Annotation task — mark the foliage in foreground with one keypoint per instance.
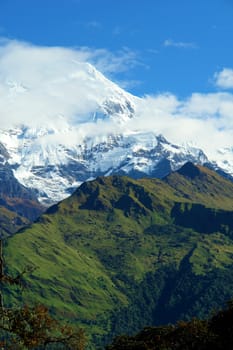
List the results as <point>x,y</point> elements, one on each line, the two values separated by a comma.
<point>33,327</point>
<point>215,333</point>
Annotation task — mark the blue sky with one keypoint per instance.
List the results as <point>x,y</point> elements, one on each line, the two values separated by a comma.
<point>175,46</point>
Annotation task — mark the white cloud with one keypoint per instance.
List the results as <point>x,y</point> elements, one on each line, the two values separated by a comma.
<point>180,44</point>
<point>108,62</point>
<point>40,83</point>
<point>224,79</point>
<point>51,84</point>
<point>204,120</point>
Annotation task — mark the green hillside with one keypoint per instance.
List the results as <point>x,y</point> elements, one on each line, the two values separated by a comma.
<point>213,333</point>
<point>120,254</point>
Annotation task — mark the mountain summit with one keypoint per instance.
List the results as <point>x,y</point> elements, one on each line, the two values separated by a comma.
<point>189,170</point>
<point>56,149</point>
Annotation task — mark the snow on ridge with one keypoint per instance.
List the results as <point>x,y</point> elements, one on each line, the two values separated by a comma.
<point>81,133</point>
<point>53,169</point>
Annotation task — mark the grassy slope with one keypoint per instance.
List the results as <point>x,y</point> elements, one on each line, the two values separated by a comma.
<point>16,212</point>
<point>10,221</point>
<point>112,231</point>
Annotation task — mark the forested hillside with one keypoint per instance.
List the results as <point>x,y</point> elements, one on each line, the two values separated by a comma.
<point>121,254</point>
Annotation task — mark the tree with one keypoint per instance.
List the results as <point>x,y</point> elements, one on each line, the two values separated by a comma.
<point>31,327</point>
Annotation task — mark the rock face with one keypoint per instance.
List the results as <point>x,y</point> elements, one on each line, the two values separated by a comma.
<point>54,171</point>
<point>18,204</point>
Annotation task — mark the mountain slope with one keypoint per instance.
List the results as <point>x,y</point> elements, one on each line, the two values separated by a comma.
<point>18,204</point>
<point>119,254</point>
<point>201,185</point>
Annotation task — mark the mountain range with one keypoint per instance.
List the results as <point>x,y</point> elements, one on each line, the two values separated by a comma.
<point>124,227</point>
<point>120,253</point>
<point>53,156</point>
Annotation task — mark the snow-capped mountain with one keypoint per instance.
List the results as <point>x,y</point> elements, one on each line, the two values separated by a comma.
<point>55,170</point>
<point>54,156</point>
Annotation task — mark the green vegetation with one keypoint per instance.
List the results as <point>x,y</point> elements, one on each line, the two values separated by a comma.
<point>214,333</point>
<point>32,327</point>
<point>120,254</point>
<point>10,222</point>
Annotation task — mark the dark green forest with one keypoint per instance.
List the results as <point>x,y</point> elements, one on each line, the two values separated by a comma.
<point>213,333</point>
<point>121,254</point>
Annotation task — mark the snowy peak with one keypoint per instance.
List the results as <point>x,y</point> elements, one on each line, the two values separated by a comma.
<point>55,169</point>
<point>50,150</point>
<point>76,125</point>
<point>78,94</point>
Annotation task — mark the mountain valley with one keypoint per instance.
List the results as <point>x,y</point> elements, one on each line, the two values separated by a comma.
<point>120,254</point>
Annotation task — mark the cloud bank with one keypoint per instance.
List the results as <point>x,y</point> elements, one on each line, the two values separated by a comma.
<point>224,78</point>
<point>203,120</point>
<point>52,85</point>
<point>37,84</point>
